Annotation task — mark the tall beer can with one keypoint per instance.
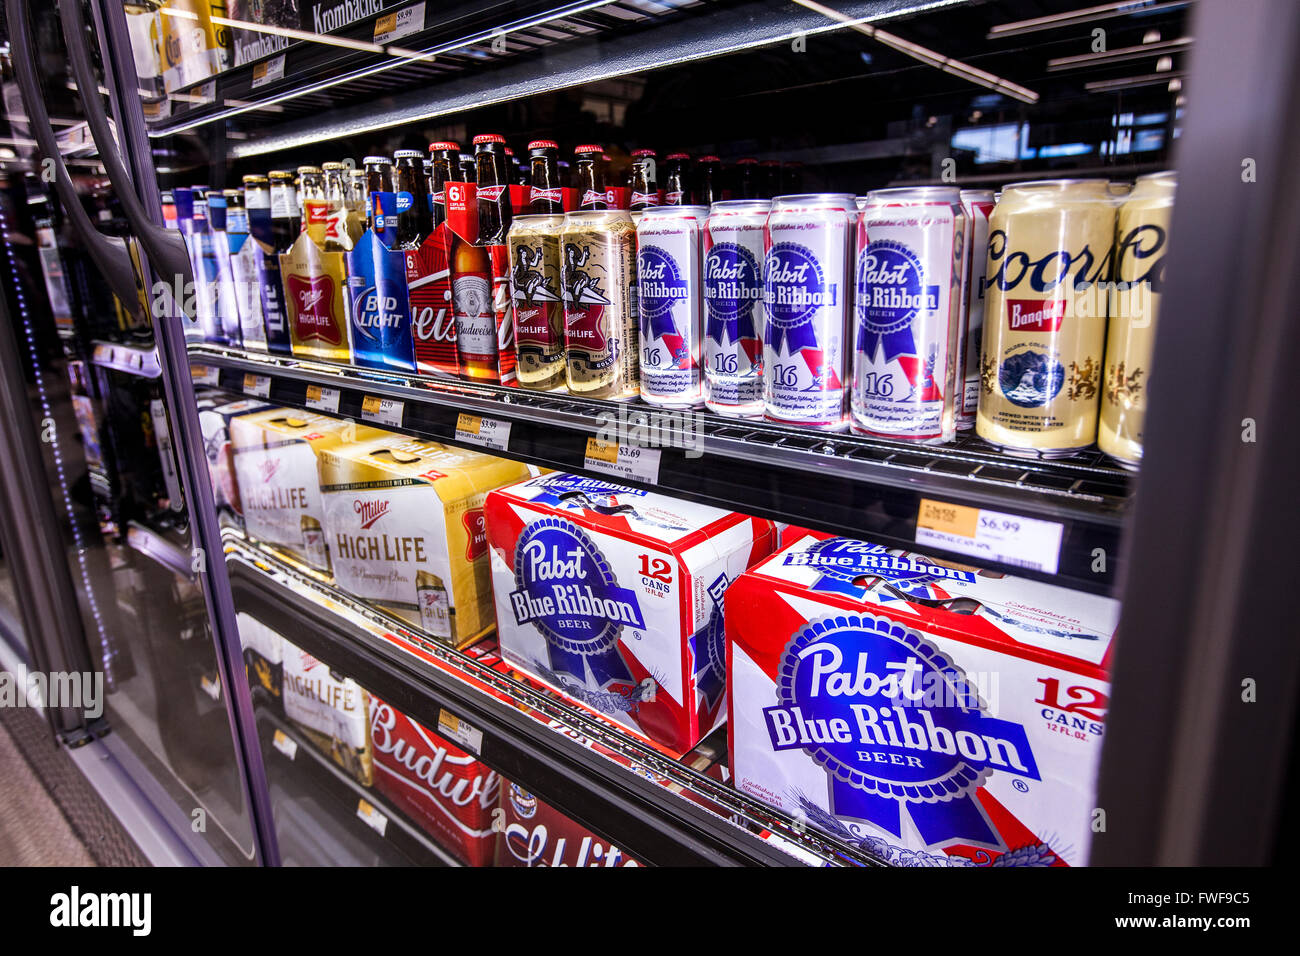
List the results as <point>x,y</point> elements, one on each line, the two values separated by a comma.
<point>733,296</point>
<point>598,271</point>
<point>534,243</point>
<point>670,302</point>
<point>806,351</point>
<point>907,306</point>
<point>1141,238</point>
<point>1051,251</point>
<point>977,204</point>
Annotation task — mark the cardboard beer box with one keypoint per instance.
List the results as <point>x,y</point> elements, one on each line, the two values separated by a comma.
<point>533,833</point>
<point>379,310</point>
<point>448,792</point>
<point>404,520</point>
<point>215,415</point>
<point>934,713</point>
<point>315,291</point>
<point>263,656</point>
<point>275,465</point>
<point>614,596</point>
<point>331,710</point>
<point>480,288</point>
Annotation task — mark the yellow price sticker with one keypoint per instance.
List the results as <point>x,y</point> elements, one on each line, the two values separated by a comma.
<point>468,423</point>
<point>948,518</point>
<point>385,24</point>
<point>371,404</point>
<point>602,450</point>
<point>313,393</point>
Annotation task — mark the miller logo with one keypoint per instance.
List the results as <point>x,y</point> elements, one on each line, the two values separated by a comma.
<point>314,296</point>
<point>269,468</point>
<point>476,533</point>
<point>370,511</point>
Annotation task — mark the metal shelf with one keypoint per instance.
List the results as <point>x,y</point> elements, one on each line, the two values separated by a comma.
<point>844,484</point>
<point>133,359</point>
<point>654,807</point>
<point>165,547</point>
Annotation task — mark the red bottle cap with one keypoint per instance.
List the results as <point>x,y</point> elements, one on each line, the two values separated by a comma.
<point>747,161</point>
<point>710,159</point>
<point>643,152</point>
<point>444,147</point>
<point>488,138</point>
<point>672,156</point>
<point>543,144</point>
<point>589,149</point>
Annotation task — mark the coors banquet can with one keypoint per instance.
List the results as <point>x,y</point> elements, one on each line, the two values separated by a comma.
<point>534,244</point>
<point>907,305</point>
<point>977,204</point>
<point>598,272</point>
<point>733,295</point>
<point>805,299</point>
<point>669,299</point>
<point>1142,235</point>
<point>1051,249</point>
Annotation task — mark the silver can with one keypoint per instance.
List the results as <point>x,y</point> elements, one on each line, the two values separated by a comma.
<point>977,204</point>
<point>670,302</point>
<point>733,311</point>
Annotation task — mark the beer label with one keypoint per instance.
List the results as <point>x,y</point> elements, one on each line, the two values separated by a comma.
<point>645,199</point>
<point>383,216</point>
<point>805,355</point>
<point>538,311</point>
<point>314,286</point>
<point>503,313</point>
<point>380,315</point>
<point>435,611</point>
<point>733,292</point>
<point>270,286</point>
<point>668,298</point>
<point>600,312</point>
<point>907,308</point>
<point>476,328</point>
<point>593,199</point>
<point>248,299</point>
<point>978,230</point>
<point>433,321</point>
<point>490,194</point>
<point>540,194</point>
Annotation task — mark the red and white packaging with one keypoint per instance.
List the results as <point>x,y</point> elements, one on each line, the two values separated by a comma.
<point>934,713</point>
<point>462,221</point>
<point>438,785</point>
<point>614,596</point>
<point>433,323</point>
<point>536,834</point>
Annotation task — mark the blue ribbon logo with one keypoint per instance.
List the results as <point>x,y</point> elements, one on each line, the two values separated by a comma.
<point>732,286</point>
<point>660,286</point>
<point>891,293</point>
<point>794,288</point>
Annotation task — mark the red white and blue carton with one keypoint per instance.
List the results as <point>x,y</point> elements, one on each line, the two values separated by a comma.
<point>614,596</point>
<point>535,834</point>
<point>934,714</point>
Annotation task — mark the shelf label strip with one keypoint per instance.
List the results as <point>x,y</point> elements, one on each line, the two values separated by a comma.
<point>990,535</point>
<point>454,728</point>
<point>485,432</point>
<point>259,385</point>
<point>382,411</point>
<point>622,461</point>
<point>372,817</point>
<point>322,399</point>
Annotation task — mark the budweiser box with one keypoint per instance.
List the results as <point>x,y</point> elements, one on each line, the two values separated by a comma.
<point>933,713</point>
<point>215,415</point>
<point>533,833</point>
<point>275,465</point>
<point>404,520</point>
<point>615,597</point>
<point>447,792</point>
<point>331,711</point>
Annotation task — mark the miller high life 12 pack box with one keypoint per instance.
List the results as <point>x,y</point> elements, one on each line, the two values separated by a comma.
<point>404,522</point>
<point>933,713</point>
<point>614,596</point>
<point>215,415</point>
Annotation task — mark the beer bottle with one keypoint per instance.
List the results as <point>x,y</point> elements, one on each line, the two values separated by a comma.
<point>749,179</point>
<point>468,168</point>
<point>444,167</point>
<point>544,197</point>
<point>414,221</point>
<point>435,605</point>
<point>379,179</point>
<point>472,306</point>
<point>590,163</point>
<point>357,201</point>
<point>792,178</point>
<point>336,204</point>
<point>708,181</point>
<point>645,183</point>
<point>311,192</point>
<point>771,178</point>
<point>492,170</point>
<point>677,186</point>
<point>286,221</point>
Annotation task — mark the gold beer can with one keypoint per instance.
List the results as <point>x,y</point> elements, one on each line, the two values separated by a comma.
<point>1141,237</point>
<point>598,269</point>
<point>1050,256</point>
<point>534,243</point>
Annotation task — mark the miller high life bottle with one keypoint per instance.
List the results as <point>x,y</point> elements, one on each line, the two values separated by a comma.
<point>434,604</point>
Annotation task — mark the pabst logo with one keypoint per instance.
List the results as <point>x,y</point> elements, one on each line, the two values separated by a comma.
<point>794,289</point>
<point>476,532</point>
<point>370,511</point>
<point>732,286</point>
<point>892,291</point>
<point>660,287</point>
<point>1035,315</point>
<point>856,693</point>
<point>314,296</point>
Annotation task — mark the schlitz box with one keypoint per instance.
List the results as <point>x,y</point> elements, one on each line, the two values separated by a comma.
<point>535,834</point>
<point>933,713</point>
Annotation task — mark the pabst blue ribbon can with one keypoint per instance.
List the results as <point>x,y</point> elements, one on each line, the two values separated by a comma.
<point>977,204</point>
<point>806,349</point>
<point>1050,258</point>
<point>907,310</point>
<point>669,296</point>
<point>733,307</point>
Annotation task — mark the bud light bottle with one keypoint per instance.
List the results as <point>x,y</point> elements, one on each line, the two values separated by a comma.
<point>414,220</point>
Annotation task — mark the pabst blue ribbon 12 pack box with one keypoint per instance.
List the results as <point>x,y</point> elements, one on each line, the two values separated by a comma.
<point>404,521</point>
<point>448,792</point>
<point>615,596</point>
<point>933,713</point>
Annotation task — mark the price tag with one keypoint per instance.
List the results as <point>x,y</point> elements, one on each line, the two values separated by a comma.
<point>382,411</point>
<point>268,71</point>
<point>322,399</point>
<point>205,375</point>
<point>259,385</point>
<point>991,535</point>
<point>453,728</point>
<point>622,461</point>
<point>391,26</point>
<point>486,432</point>
<point>285,744</point>
<point>372,817</point>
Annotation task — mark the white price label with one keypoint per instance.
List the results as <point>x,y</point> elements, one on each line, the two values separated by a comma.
<point>259,385</point>
<point>372,817</point>
<point>990,535</point>
<point>391,26</point>
<point>285,744</point>
<point>485,432</point>
<point>622,461</point>
<point>454,728</point>
<point>268,71</point>
<point>205,375</point>
<point>382,411</point>
<point>322,399</point>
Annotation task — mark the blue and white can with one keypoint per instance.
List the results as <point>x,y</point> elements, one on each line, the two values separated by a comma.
<point>806,302</point>
<point>733,307</point>
<point>908,301</point>
<point>670,303</point>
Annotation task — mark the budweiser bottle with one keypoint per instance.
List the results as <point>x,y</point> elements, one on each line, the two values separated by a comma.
<point>590,162</point>
<point>471,296</point>
<point>444,167</point>
<point>645,183</point>
<point>468,168</point>
<point>493,175</point>
<point>770,177</point>
<point>708,181</point>
<point>749,177</point>
<point>545,197</point>
<point>677,186</point>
